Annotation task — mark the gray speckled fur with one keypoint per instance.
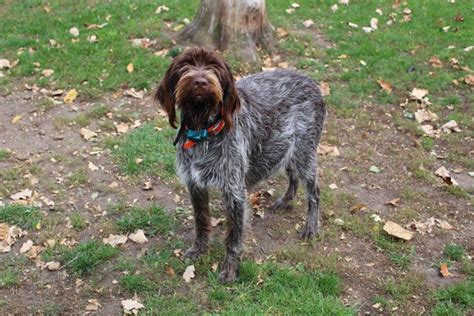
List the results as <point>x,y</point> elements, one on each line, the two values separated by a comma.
<point>278,127</point>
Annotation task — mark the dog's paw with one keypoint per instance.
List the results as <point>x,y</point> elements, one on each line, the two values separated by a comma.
<point>281,204</point>
<point>194,252</point>
<point>309,232</point>
<point>229,272</point>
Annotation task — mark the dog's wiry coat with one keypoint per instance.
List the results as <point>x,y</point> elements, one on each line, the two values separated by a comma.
<point>278,126</point>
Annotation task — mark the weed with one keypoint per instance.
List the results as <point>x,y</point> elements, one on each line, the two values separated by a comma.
<point>457,299</point>
<point>78,221</point>
<point>26,217</point>
<point>9,278</point>
<point>4,154</point>
<point>78,177</point>
<point>153,220</point>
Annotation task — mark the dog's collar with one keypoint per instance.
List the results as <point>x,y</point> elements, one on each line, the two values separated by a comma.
<point>193,136</point>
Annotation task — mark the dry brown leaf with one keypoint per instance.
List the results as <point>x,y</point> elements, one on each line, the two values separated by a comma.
<point>254,199</point>
<point>5,63</point>
<point>216,221</point>
<point>393,229</point>
<point>394,202</point>
<point>26,246</point>
<point>52,265</point>
<point>189,274</point>
<point>138,237</point>
<point>374,23</point>
<point>469,79</point>
<point>130,68</point>
<point>436,62</point>
<point>451,126</point>
<point>122,128</point>
<point>170,271</point>
<point>443,224</point>
<point>87,134</point>
<point>281,32</point>
<point>115,240</point>
<point>134,94</point>
<point>147,185</point>
<point>325,88</point>
<point>93,305</point>
<point>161,8</point>
<point>47,72</point>
<point>418,94</point>
<point>92,167</point>
<point>443,269</point>
<point>131,306</point>
<point>443,173</point>
<point>70,96</point>
<point>359,207</point>
<point>308,23</point>
<point>384,85</point>
<point>16,118</point>
<point>423,115</point>
<point>325,149</point>
<point>74,31</point>
<point>22,195</point>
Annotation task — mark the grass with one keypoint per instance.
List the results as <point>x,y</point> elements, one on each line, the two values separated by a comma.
<point>9,278</point>
<point>78,177</point>
<point>83,258</point>
<point>4,154</point>
<point>457,299</point>
<point>78,221</point>
<point>147,150</point>
<point>454,251</point>
<point>26,217</point>
<point>153,220</point>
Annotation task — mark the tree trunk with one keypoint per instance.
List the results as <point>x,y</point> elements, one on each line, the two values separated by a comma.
<point>234,25</point>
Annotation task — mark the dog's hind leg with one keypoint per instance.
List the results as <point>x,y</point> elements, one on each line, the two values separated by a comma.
<point>200,202</point>
<point>283,202</point>
<point>313,195</point>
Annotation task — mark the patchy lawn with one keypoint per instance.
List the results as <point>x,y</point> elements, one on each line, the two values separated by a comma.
<point>92,214</point>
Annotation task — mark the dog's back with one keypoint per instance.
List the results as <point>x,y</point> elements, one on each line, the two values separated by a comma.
<point>283,116</point>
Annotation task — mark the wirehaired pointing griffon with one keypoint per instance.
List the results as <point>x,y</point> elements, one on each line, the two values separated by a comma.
<point>236,134</point>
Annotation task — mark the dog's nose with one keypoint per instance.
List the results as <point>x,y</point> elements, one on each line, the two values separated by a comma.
<point>200,82</point>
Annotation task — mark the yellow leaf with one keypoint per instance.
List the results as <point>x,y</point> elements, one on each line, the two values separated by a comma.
<point>16,119</point>
<point>38,226</point>
<point>443,269</point>
<point>130,68</point>
<point>70,96</point>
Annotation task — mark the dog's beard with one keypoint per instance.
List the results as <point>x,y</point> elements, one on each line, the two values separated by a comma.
<point>198,112</point>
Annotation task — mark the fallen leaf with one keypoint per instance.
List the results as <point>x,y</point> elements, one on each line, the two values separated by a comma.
<point>394,202</point>
<point>93,305</point>
<point>367,29</point>
<point>443,269</point>
<point>134,94</point>
<point>443,224</point>
<point>216,221</point>
<point>325,149</point>
<point>122,128</point>
<point>435,62</point>
<point>74,31</point>
<point>92,167</point>
<point>96,26</point>
<point>345,2</point>
<point>469,79</point>
<point>115,240</point>
<point>138,237</point>
<point>138,161</point>
<point>47,72</point>
<point>70,96</point>
<point>333,186</point>
<point>423,227</point>
<point>375,169</point>
<point>87,134</point>
<point>374,23</point>
<point>5,63</point>
<point>161,8</point>
<point>443,173</point>
<point>92,39</point>
<point>22,195</point>
<point>386,86</point>
<point>352,25</point>
<point>131,306</point>
<point>325,89</point>
<point>398,231</point>
<point>429,130</point>
<point>147,185</point>
<point>334,8</point>
<point>17,118</point>
<point>52,265</point>
<point>26,246</point>
<point>308,23</point>
<point>359,207</point>
<point>418,94</point>
<point>170,271</point>
<point>281,32</point>
<point>423,115</point>
<point>141,42</point>
<point>451,126</point>
<point>189,274</point>
<point>130,68</point>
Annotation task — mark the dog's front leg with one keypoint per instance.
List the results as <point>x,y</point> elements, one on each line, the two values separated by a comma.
<point>200,202</point>
<point>235,204</point>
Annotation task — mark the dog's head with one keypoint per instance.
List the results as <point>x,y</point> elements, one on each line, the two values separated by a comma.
<point>199,82</point>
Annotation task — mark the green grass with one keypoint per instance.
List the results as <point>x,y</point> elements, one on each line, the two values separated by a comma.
<point>4,154</point>
<point>153,147</point>
<point>78,177</point>
<point>153,220</point>
<point>26,217</point>
<point>105,67</point>
<point>454,251</point>
<point>78,221</point>
<point>83,258</point>
<point>9,278</point>
<point>137,283</point>
<point>457,299</point>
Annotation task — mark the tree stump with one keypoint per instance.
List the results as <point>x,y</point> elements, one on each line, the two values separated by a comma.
<point>233,25</point>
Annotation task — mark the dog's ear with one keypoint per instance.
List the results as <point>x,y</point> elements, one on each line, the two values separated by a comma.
<point>231,100</point>
<point>165,95</point>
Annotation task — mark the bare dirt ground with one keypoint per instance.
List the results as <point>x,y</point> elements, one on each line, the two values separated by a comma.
<point>47,148</point>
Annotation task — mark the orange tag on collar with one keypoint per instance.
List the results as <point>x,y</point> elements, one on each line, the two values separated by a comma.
<point>189,144</point>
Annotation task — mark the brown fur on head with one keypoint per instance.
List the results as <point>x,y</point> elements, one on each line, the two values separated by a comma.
<point>198,81</point>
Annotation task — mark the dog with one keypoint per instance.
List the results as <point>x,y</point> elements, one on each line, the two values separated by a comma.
<point>233,135</point>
